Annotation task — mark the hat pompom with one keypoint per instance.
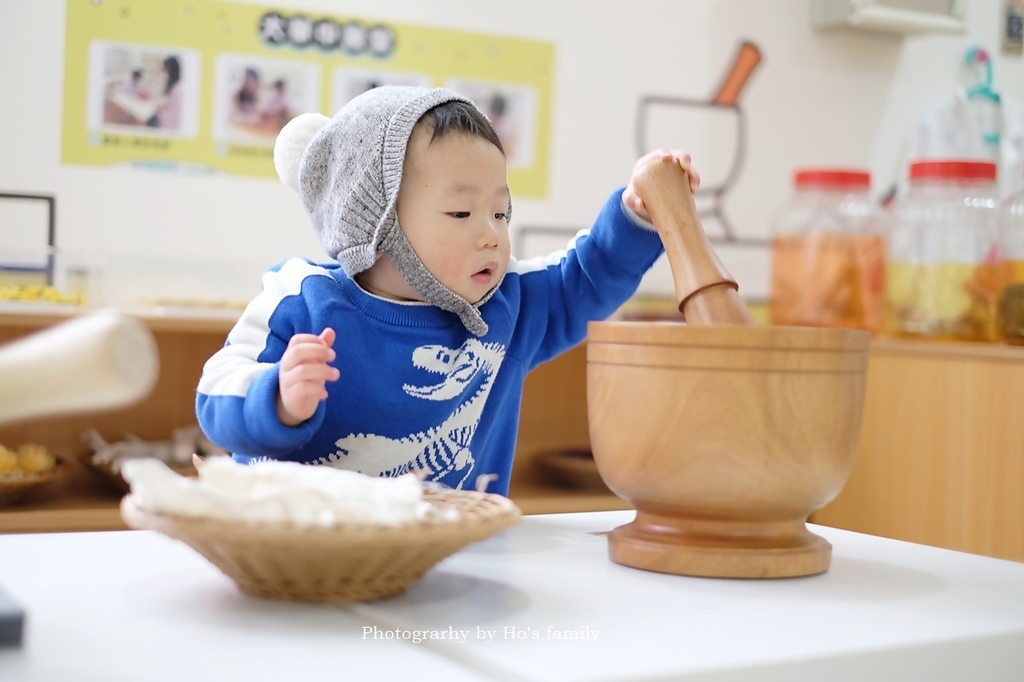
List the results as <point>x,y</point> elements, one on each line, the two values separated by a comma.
<point>291,143</point>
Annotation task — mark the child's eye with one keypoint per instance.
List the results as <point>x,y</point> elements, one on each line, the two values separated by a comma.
<point>459,214</point>
<point>499,216</point>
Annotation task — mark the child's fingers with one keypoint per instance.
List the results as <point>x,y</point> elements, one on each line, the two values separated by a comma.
<point>637,204</point>
<point>685,162</point>
<point>308,390</point>
<point>312,372</point>
<point>654,155</point>
<point>303,338</point>
<point>307,354</point>
<point>328,336</point>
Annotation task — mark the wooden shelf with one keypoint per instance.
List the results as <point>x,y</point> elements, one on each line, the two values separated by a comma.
<point>941,454</point>
<point>81,502</point>
<point>196,320</point>
<point>940,460</point>
<point>60,516</point>
<point>540,497</point>
<point>950,349</point>
<point>554,416</point>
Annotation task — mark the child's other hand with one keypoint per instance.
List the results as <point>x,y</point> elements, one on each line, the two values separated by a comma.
<point>302,380</point>
<point>633,200</point>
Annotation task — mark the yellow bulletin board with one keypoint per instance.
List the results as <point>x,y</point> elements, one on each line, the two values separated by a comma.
<point>204,86</point>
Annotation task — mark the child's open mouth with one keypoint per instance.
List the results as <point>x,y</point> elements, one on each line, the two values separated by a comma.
<point>484,276</point>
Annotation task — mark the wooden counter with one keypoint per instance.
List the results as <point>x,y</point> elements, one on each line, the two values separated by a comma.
<point>941,453</point>
<point>940,460</point>
<point>81,501</point>
<point>554,416</point>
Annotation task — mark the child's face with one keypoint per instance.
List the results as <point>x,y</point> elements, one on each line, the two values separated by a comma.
<point>451,207</point>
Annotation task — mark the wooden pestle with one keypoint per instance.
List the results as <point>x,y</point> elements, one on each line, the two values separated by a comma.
<point>706,292</point>
<point>93,362</point>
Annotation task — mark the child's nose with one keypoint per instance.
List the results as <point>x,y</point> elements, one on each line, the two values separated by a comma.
<point>488,235</point>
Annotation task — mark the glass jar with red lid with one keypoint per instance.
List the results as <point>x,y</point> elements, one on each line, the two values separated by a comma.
<point>941,275</point>
<point>828,253</point>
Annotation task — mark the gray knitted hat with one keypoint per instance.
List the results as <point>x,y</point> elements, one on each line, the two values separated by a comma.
<point>348,169</point>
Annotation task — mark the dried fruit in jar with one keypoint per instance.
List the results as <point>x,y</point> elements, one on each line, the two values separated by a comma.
<point>1011,313</point>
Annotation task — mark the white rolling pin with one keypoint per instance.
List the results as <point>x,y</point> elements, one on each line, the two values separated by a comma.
<point>94,362</point>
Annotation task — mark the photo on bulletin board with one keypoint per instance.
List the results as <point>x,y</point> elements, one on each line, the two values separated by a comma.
<point>255,97</point>
<point>512,110</point>
<point>143,89</point>
<point>349,83</point>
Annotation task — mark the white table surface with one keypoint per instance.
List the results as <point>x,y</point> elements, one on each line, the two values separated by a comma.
<point>134,605</point>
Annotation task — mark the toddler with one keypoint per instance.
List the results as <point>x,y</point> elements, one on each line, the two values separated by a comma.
<point>408,352</point>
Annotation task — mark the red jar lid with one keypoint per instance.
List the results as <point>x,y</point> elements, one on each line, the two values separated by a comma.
<point>953,170</point>
<point>833,178</point>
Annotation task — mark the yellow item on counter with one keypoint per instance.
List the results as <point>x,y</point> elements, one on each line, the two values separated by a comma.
<point>30,458</point>
<point>34,458</point>
<point>8,461</point>
<point>39,293</point>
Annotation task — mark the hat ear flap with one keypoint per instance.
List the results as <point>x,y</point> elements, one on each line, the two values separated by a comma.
<point>291,144</point>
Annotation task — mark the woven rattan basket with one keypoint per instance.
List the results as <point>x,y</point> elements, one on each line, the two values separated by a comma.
<point>339,564</point>
<point>15,486</point>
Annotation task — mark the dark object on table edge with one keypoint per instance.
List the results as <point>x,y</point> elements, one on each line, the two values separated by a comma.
<point>12,618</point>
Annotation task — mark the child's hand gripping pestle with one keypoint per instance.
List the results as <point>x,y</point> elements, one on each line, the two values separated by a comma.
<point>94,362</point>
<point>706,292</point>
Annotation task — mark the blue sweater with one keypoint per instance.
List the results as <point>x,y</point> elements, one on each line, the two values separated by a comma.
<point>417,390</point>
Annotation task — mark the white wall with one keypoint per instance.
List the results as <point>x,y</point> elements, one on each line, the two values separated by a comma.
<point>832,98</point>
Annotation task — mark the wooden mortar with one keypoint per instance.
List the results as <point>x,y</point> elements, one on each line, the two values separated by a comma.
<point>724,435</point>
